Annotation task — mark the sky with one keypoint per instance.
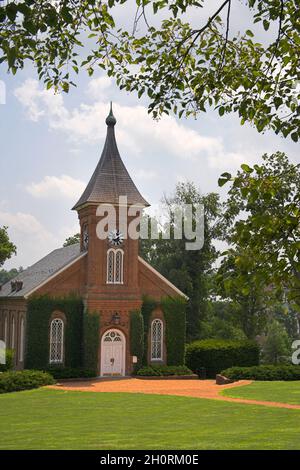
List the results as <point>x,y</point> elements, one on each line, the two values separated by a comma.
<point>50,146</point>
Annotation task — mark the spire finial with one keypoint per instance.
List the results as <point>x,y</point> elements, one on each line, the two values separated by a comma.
<point>111,120</point>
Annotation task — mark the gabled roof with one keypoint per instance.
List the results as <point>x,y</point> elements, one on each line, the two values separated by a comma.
<point>110,179</point>
<point>42,271</point>
<point>162,279</point>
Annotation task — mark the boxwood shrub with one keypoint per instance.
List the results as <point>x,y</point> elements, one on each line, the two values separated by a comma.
<point>264,372</point>
<point>9,358</point>
<point>69,373</point>
<point>159,371</point>
<point>216,355</point>
<point>15,381</point>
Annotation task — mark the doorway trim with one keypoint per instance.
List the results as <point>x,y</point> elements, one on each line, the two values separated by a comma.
<point>123,362</point>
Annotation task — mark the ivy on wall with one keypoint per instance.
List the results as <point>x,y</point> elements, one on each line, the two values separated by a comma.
<point>91,327</point>
<point>174,310</point>
<point>137,337</point>
<point>39,312</point>
<point>148,306</point>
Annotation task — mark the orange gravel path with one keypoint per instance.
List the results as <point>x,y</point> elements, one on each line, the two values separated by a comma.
<point>186,388</point>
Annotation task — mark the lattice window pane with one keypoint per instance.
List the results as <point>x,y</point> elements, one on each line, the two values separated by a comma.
<point>13,334</point>
<point>156,339</point>
<point>110,266</point>
<point>56,341</point>
<point>21,352</point>
<point>119,267</point>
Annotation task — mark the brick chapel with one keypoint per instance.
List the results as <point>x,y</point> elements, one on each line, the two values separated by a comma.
<point>107,274</point>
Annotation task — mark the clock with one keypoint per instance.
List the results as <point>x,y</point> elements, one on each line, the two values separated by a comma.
<point>85,237</point>
<point>115,238</point>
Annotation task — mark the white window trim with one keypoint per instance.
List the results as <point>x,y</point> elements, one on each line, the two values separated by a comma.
<point>13,333</point>
<point>22,330</point>
<point>115,252</point>
<point>61,359</point>
<point>161,340</point>
<point>6,331</point>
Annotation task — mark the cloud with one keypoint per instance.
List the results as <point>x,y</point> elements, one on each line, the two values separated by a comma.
<point>136,130</point>
<point>57,187</point>
<point>32,239</point>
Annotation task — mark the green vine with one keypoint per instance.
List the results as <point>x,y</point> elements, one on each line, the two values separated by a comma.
<point>148,306</point>
<point>40,310</point>
<point>174,310</point>
<point>137,337</point>
<point>91,328</point>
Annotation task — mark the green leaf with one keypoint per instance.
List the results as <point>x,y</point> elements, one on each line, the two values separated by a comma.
<point>266,24</point>
<point>246,168</point>
<point>295,136</point>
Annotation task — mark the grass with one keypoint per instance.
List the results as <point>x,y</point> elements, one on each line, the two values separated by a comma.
<point>55,419</point>
<point>283,392</point>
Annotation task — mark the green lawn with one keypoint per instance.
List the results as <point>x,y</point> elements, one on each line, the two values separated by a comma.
<point>284,392</point>
<point>55,419</point>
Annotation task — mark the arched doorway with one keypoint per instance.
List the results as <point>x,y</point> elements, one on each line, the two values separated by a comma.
<point>113,349</point>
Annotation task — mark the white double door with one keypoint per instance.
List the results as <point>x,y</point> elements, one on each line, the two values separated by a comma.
<point>113,353</point>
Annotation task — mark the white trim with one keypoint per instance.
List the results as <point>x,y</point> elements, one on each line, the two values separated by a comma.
<point>13,333</point>
<point>123,351</point>
<point>158,320</point>
<point>6,330</point>
<point>61,359</point>
<point>21,350</point>
<point>162,278</point>
<point>61,270</point>
<point>115,251</point>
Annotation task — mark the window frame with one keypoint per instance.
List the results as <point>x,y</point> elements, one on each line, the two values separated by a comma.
<point>154,341</point>
<point>111,257</point>
<point>59,361</point>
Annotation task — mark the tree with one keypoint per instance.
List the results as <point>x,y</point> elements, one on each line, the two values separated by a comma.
<point>181,68</point>
<point>235,281</point>
<point>277,345</point>
<point>222,322</point>
<point>187,269</point>
<point>6,276</point>
<point>73,240</point>
<point>262,218</point>
<point>7,248</point>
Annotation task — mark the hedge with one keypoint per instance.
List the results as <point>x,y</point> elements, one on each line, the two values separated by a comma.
<point>216,355</point>
<point>15,381</point>
<point>9,358</point>
<point>159,371</point>
<point>174,310</point>
<point>137,337</point>
<point>91,328</point>
<point>40,310</point>
<point>69,373</point>
<point>264,372</point>
<point>148,306</point>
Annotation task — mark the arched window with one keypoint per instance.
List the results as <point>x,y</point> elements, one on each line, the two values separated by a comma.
<point>110,266</point>
<point>56,341</point>
<point>115,266</point>
<point>157,340</point>
<point>13,333</point>
<point>6,331</point>
<point>119,267</point>
<point>21,351</point>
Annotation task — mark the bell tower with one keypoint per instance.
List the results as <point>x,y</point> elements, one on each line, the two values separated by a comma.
<point>105,213</point>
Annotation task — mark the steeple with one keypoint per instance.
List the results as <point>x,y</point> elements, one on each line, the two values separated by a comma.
<point>110,178</point>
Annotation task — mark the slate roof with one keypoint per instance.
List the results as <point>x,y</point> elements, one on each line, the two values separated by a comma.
<point>110,178</point>
<point>38,273</point>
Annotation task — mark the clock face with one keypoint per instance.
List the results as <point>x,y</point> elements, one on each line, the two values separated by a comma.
<point>85,237</point>
<point>115,238</point>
